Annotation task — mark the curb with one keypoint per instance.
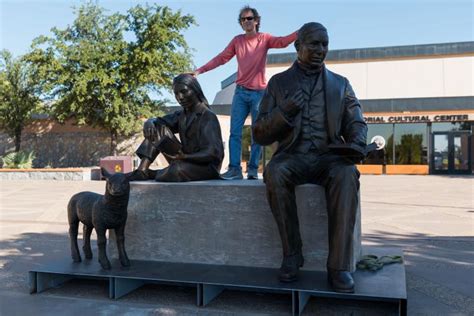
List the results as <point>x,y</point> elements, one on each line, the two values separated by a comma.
<point>61,174</point>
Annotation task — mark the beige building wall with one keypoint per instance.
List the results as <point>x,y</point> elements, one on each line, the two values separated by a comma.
<point>459,76</point>
<point>410,78</point>
<point>224,121</point>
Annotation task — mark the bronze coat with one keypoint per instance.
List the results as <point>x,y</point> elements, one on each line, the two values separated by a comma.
<point>345,122</point>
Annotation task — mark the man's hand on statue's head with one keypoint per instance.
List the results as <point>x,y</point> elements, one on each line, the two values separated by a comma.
<point>194,73</point>
<point>293,103</point>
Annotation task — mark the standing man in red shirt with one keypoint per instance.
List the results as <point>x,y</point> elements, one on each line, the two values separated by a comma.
<point>251,50</point>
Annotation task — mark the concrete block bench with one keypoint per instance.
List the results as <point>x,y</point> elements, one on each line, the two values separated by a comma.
<point>221,222</point>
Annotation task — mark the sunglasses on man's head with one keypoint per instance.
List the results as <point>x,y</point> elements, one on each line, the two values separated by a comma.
<point>247,18</point>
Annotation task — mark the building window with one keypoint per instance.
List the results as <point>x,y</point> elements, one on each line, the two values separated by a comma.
<point>378,157</point>
<point>411,144</point>
<point>406,144</point>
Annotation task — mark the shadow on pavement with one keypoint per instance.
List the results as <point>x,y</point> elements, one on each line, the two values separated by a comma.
<point>440,270</point>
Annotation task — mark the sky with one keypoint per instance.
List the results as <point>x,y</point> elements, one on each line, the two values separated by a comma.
<point>350,24</point>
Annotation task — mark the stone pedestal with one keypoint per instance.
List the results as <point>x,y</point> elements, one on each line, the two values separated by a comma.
<point>221,222</point>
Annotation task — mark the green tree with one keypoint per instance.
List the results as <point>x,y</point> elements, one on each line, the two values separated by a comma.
<point>389,150</point>
<point>410,149</point>
<point>18,100</point>
<point>247,141</point>
<point>101,69</point>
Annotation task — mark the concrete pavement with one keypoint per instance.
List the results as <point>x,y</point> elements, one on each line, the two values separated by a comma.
<point>430,217</point>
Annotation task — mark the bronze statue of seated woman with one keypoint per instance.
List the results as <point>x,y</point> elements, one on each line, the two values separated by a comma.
<point>199,152</point>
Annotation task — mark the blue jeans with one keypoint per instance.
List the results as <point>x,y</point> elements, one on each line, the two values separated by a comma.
<point>245,101</point>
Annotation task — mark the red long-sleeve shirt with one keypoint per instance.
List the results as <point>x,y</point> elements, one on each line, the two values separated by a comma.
<point>251,52</point>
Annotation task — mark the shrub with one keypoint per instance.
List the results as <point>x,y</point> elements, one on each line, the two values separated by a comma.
<point>18,160</point>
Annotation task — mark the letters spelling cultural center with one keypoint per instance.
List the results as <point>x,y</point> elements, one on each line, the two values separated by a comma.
<point>420,98</point>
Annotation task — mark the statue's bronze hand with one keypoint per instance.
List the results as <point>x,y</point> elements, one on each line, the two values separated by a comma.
<point>179,156</point>
<point>293,104</point>
<point>149,130</point>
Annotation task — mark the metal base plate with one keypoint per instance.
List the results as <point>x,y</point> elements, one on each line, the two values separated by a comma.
<point>387,284</point>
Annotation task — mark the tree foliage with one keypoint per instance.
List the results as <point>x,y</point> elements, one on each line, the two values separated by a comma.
<point>18,100</point>
<point>410,149</point>
<point>18,160</point>
<point>101,69</point>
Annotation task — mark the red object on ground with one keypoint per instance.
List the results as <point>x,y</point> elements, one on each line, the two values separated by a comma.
<point>115,164</point>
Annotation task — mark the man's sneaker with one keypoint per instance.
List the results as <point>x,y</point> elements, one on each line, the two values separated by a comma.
<point>252,174</point>
<point>232,174</point>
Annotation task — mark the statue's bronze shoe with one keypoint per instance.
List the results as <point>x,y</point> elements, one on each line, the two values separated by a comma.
<point>138,175</point>
<point>341,281</point>
<point>290,267</point>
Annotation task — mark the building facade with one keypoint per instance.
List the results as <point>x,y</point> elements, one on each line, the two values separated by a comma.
<point>420,98</point>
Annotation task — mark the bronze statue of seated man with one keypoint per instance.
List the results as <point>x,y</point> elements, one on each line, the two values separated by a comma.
<point>317,120</point>
<point>199,153</point>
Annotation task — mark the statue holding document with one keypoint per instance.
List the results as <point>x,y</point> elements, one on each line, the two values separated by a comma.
<point>199,152</point>
<point>317,121</point>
